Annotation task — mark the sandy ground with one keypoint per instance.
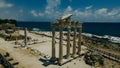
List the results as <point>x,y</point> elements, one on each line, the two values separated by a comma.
<point>27,59</point>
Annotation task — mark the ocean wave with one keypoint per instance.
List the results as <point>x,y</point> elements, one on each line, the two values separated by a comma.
<point>111,38</point>
<point>35,29</point>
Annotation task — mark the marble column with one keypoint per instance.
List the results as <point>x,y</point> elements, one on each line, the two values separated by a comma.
<point>25,32</point>
<point>79,40</point>
<point>68,41</point>
<point>53,43</point>
<point>74,40</point>
<point>60,43</point>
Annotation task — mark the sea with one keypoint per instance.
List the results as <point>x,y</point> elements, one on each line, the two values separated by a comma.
<point>109,30</point>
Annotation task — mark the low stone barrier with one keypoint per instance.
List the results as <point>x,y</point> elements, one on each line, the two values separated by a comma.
<point>105,54</point>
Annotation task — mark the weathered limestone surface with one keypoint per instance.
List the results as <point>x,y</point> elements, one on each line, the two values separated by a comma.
<point>53,43</point>
<point>74,40</point>
<point>79,41</point>
<point>25,31</point>
<point>68,40</point>
<point>60,43</point>
<point>66,23</point>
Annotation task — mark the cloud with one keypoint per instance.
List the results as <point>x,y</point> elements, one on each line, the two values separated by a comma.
<point>102,11</point>
<point>51,10</point>
<point>114,12</point>
<point>89,13</point>
<point>41,14</point>
<point>3,4</point>
<point>89,7</point>
<point>70,0</point>
<point>101,14</point>
<point>21,10</point>
<point>33,12</point>
<point>51,4</point>
<point>68,10</point>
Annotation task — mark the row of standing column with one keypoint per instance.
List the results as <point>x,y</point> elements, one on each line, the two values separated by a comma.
<point>74,40</point>
<point>68,42</point>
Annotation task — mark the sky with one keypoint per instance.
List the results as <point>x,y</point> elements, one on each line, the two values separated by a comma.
<point>50,10</point>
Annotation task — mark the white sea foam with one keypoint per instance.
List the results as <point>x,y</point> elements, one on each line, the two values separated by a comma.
<point>111,38</point>
<point>87,34</point>
<point>36,29</point>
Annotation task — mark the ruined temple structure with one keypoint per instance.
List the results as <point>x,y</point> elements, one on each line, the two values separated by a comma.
<point>66,22</point>
<point>9,32</point>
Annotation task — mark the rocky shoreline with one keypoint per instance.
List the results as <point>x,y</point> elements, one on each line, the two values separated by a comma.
<point>100,43</point>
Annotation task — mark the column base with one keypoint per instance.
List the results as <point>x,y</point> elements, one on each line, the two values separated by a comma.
<point>60,62</point>
<point>67,57</point>
<point>74,55</point>
<point>53,59</point>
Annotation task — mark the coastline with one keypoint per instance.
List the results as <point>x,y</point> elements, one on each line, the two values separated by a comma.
<point>43,45</point>
<point>24,55</point>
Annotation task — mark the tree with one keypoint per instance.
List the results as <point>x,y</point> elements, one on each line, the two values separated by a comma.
<point>11,21</point>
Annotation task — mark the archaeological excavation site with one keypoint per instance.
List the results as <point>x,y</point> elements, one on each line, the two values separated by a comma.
<point>65,46</point>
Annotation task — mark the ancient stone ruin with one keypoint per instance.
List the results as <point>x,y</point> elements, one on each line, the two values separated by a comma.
<point>66,22</point>
<point>9,32</point>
